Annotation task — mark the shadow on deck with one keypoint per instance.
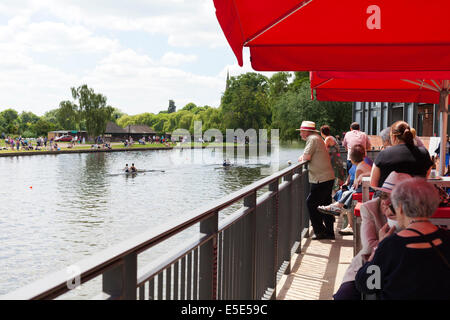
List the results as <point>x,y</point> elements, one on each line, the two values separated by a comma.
<point>317,272</point>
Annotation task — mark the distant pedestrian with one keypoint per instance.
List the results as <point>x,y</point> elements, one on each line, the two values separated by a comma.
<point>321,179</point>
<point>354,137</point>
<point>332,146</point>
<point>385,135</point>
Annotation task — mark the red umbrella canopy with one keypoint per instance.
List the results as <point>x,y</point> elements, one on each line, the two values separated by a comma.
<point>350,35</point>
<point>425,87</point>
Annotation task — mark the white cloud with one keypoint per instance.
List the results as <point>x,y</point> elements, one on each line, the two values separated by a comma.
<point>175,59</point>
<point>134,84</point>
<point>48,46</point>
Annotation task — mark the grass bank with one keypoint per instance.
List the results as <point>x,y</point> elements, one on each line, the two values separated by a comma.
<point>64,149</point>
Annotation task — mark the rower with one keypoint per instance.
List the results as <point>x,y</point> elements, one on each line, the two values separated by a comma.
<point>126,168</point>
<point>133,168</point>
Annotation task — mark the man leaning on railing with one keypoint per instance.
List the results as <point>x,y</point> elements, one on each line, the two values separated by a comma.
<point>321,178</point>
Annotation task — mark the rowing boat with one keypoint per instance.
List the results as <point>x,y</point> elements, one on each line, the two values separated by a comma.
<point>134,172</point>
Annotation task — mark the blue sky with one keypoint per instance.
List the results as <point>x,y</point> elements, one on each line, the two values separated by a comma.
<point>138,53</point>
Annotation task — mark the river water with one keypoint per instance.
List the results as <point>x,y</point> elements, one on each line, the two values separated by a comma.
<point>56,210</point>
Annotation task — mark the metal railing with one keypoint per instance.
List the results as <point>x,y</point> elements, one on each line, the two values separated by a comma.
<point>240,257</point>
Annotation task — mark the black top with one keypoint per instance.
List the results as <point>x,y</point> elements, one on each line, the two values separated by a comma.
<point>405,159</point>
<point>409,273</point>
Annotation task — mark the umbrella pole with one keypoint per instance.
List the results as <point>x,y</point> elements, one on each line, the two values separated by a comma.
<point>443,107</point>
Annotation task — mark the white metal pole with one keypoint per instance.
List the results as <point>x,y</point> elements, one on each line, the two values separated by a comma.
<point>443,108</point>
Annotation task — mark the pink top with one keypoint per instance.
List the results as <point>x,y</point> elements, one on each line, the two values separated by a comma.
<point>353,138</point>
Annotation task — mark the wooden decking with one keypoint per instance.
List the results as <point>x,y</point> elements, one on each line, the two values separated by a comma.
<point>317,272</point>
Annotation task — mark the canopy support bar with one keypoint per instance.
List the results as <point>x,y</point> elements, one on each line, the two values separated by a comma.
<point>443,111</point>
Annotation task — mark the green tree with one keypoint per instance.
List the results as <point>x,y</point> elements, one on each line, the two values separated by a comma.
<point>189,106</point>
<point>68,116</point>
<point>26,120</point>
<point>161,119</point>
<point>300,78</point>
<point>185,121</point>
<point>245,103</point>
<point>43,126</point>
<point>116,115</point>
<point>93,109</point>
<point>9,120</point>
<point>50,116</point>
<point>296,105</point>
<point>278,84</point>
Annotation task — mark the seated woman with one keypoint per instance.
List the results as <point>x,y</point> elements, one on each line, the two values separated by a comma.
<point>376,214</point>
<point>414,263</point>
<point>362,169</point>
<point>402,156</point>
<point>333,150</point>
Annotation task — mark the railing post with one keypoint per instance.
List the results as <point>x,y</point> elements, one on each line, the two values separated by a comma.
<point>120,282</point>
<point>273,187</point>
<point>250,250</point>
<point>306,189</point>
<point>298,207</point>
<point>288,178</point>
<point>208,259</point>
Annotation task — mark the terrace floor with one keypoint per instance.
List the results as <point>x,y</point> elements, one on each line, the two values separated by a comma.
<point>317,272</point>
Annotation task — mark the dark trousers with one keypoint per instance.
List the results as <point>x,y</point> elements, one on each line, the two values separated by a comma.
<point>320,195</point>
<point>347,291</point>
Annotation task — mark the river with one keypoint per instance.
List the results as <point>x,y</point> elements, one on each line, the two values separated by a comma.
<point>58,209</point>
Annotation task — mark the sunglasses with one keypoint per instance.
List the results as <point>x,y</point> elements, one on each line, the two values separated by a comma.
<point>387,196</point>
<point>392,208</point>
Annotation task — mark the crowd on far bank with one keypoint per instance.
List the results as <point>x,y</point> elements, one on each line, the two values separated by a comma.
<point>410,254</point>
<point>54,143</point>
<point>144,140</point>
<point>21,143</point>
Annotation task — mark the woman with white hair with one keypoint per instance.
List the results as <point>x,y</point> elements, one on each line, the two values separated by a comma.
<point>377,219</point>
<point>413,263</point>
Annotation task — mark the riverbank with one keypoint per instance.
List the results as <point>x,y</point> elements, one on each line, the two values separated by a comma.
<point>83,149</point>
<point>118,147</point>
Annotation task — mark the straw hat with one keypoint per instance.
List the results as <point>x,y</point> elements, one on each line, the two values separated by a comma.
<point>392,180</point>
<point>308,126</point>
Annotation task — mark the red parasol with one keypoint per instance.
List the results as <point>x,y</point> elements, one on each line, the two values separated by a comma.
<point>346,35</point>
<point>427,87</point>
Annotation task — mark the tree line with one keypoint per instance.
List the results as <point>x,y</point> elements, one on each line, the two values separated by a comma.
<point>250,101</point>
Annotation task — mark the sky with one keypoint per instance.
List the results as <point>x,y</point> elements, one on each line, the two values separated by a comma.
<point>138,53</point>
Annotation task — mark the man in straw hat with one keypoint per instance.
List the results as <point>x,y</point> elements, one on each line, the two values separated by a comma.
<point>321,179</point>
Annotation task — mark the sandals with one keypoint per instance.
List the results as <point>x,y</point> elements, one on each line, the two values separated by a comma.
<point>330,209</point>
